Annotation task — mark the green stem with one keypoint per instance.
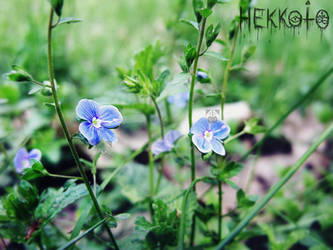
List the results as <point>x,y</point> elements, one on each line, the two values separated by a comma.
<point>309,93</point>
<point>65,129</point>
<point>162,134</point>
<point>227,71</point>
<point>73,241</point>
<point>231,138</point>
<point>151,165</point>
<point>219,231</point>
<point>194,74</point>
<point>181,235</point>
<point>256,209</point>
<point>65,176</point>
<point>159,116</point>
<point>168,111</point>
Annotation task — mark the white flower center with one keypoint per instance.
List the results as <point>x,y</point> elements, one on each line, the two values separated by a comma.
<point>208,135</point>
<point>96,122</point>
<point>25,163</point>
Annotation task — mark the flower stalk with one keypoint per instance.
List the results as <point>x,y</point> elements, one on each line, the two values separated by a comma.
<point>65,129</point>
<point>193,79</point>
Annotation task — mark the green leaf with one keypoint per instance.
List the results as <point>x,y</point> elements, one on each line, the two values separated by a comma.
<point>163,231</point>
<point>216,55</point>
<point>69,20</point>
<point>223,1</point>
<point>54,201</point>
<point>142,107</point>
<point>211,3</point>
<point>124,216</point>
<point>18,74</point>
<point>191,23</point>
<point>252,127</point>
<point>248,52</point>
<point>211,34</point>
<point>28,192</point>
<point>179,84</point>
<point>205,12</point>
<point>189,53</point>
<point>197,6</point>
<point>243,201</point>
<point>36,170</point>
<point>35,89</point>
<point>230,170</point>
<point>57,6</point>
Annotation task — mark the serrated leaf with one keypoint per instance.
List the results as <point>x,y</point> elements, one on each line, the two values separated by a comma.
<point>69,20</point>
<point>216,55</point>
<point>191,23</point>
<point>54,201</point>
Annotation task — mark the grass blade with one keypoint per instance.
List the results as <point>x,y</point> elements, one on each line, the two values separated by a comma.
<point>73,241</point>
<point>256,209</point>
<point>308,94</point>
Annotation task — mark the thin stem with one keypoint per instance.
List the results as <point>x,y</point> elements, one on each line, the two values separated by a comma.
<point>162,134</point>
<point>168,111</point>
<point>159,116</point>
<point>256,209</point>
<point>4,151</point>
<point>182,225</point>
<point>219,231</point>
<point>40,84</point>
<point>231,138</point>
<point>194,73</point>
<point>65,176</point>
<point>65,129</point>
<point>151,165</point>
<point>227,71</point>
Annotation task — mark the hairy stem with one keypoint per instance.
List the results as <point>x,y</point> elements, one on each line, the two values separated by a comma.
<point>194,74</point>
<point>65,129</point>
<point>256,209</point>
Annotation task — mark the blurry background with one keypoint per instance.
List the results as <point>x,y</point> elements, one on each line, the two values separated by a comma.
<point>86,55</point>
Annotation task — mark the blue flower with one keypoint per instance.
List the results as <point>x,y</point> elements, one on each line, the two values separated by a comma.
<point>208,136</point>
<point>202,75</point>
<point>98,121</point>
<point>23,159</point>
<point>167,144</point>
<point>180,99</point>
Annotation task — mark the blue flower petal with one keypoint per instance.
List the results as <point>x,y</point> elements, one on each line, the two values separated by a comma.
<point>21,160</point>
<point>217,147</point>
<point>89,132</point>
<point>106,135</point>
<point>201,143</point>
<point>159,147</point>
<point>110,116</point>
<point>171,137</point>
<point>200,126</point>
<point>35,154</point>
<point>87,109</point>
<point>220,129</point>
